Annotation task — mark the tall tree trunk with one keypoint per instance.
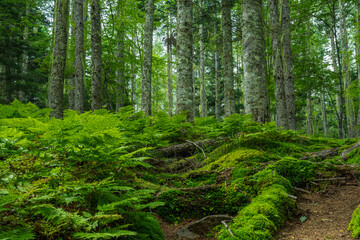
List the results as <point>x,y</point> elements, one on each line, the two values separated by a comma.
<point>358,63</point>
<point>203,103</point>
<point>281,111</point>
<point>56,85</point>
<point>309,118</point>
<point>323,113</point>
<point>147,62</point>
<point>288,65</point>
<point>254,60</point>
<point>120,76</point>
<point>185,100</point>
<point>227,58</point>
<point>217,79</point>
<point>349,104</point>
<point>95,55</point>
<point>71,90</point>
<point>133,79</point>
<point>339,95</point>
<point>79,56</point>
<point>169,67</point>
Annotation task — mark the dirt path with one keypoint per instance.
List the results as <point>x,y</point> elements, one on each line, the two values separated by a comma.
<point>328,214</point>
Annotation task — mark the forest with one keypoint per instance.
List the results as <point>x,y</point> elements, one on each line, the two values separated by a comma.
<point>179,119</point>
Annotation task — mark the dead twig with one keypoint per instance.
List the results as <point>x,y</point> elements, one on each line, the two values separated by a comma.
<point>301,190</point>
<point>197,147</point>
<point>227,227</point>
<point>329,179</point>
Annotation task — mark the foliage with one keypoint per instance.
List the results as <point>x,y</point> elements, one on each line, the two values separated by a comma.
<point>354,225</point>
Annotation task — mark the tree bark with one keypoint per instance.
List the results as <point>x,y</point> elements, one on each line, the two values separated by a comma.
<point>349,104</point>
<point>228,73</point>
<point>323,113</point>
<point>147,62</point>
<point>120,76</point>
<point>217,79</point>
<point>79,56</point>
<point>185,100</point>
<point>95,55</point>
<point>169,67</point>
<point>288,65</point>
<point>358,63</point>
<point>254,60</point>
<point>309,118</point>
<point>56,85</point>
<point>203,102</point>
<point>281,111</point>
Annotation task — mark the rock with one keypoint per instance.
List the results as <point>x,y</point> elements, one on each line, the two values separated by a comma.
<point>202,226</point>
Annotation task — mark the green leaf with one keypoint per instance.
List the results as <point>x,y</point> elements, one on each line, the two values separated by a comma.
<point>303,218</point>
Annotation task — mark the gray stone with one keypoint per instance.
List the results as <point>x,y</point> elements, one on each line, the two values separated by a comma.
<point>202,226</point>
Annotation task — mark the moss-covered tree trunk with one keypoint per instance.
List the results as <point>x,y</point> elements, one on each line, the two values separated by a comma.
<point>79,56</point>
<point>349,103</point>
<point>254,60</point>
<point>228,73</point>
<point>203,102</point>
<point>358,63</point>
<point>288,65</point>
<point>323,112</point>
<point>56,85</point>
<point>95,55</point>
<point>281,111</point>
<point>147,61</point>
<point>185,100</point>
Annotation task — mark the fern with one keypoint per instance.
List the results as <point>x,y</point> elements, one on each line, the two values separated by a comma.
<point>17,234</point>
<point>104,235</point>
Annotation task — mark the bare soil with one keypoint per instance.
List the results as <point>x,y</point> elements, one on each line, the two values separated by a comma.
<point>328,214</point>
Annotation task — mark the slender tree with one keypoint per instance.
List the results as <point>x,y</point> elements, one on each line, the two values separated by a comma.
<point>79,56</point>
<point>217,78</point>
<point>203,102</point>
<point>147,62</point>
<point>254,60</point>
<point>185,100</point>
<point>120,76</point>
<point>358,63</point>
<point>95,55</point>
<point>288,65</point>
<point>281,111</point>
<point>169,66</point>
<point>56,84</point>
<point>227,58</point>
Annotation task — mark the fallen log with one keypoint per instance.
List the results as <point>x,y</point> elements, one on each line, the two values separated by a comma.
<point>345,154</point>
<point>187,149</point>
<point>324,154</point>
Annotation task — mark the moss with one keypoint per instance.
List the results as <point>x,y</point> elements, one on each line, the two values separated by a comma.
<point>195,203</point>
<point>354,225</point>
<point>298,172</point>
<point>261,218</point>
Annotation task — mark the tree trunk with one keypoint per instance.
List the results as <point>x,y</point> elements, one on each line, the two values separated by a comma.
<point>203,103</point>
<point>339,98</point>
<point>309,119</point>
<point>120,76</point>
<point>358,64</point>
<point>147,62</point>
<point>133,79</point>
<point>95,55</point>
<point>349,104</point>
<point>56,85</point>
<point>185,101</point>
<point>254,60</point>
<point>169,67</point>
<point>281,111</point>
<point>71,90</point>
<point>217,79</point>
<point>288,65</point>
<point>79,55</point>
<point>227,58</point>
<point>323,113</point>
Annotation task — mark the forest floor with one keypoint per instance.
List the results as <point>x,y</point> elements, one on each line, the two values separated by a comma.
<point>328,213</point>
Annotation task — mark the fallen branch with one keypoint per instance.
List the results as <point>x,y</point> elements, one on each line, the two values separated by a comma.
<point>324,154</point>
<point>198,147</point>
<point>344,154</point>
<point>227,227</point>
<point>301,190</point>
<point>329,179</point>
<point>292,196</point>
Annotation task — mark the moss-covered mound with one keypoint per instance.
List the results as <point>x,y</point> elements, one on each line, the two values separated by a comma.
<point>354,225</point>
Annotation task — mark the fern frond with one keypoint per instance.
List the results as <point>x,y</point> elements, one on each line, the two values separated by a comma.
<point>105,235</point>
<point>17,234</point>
